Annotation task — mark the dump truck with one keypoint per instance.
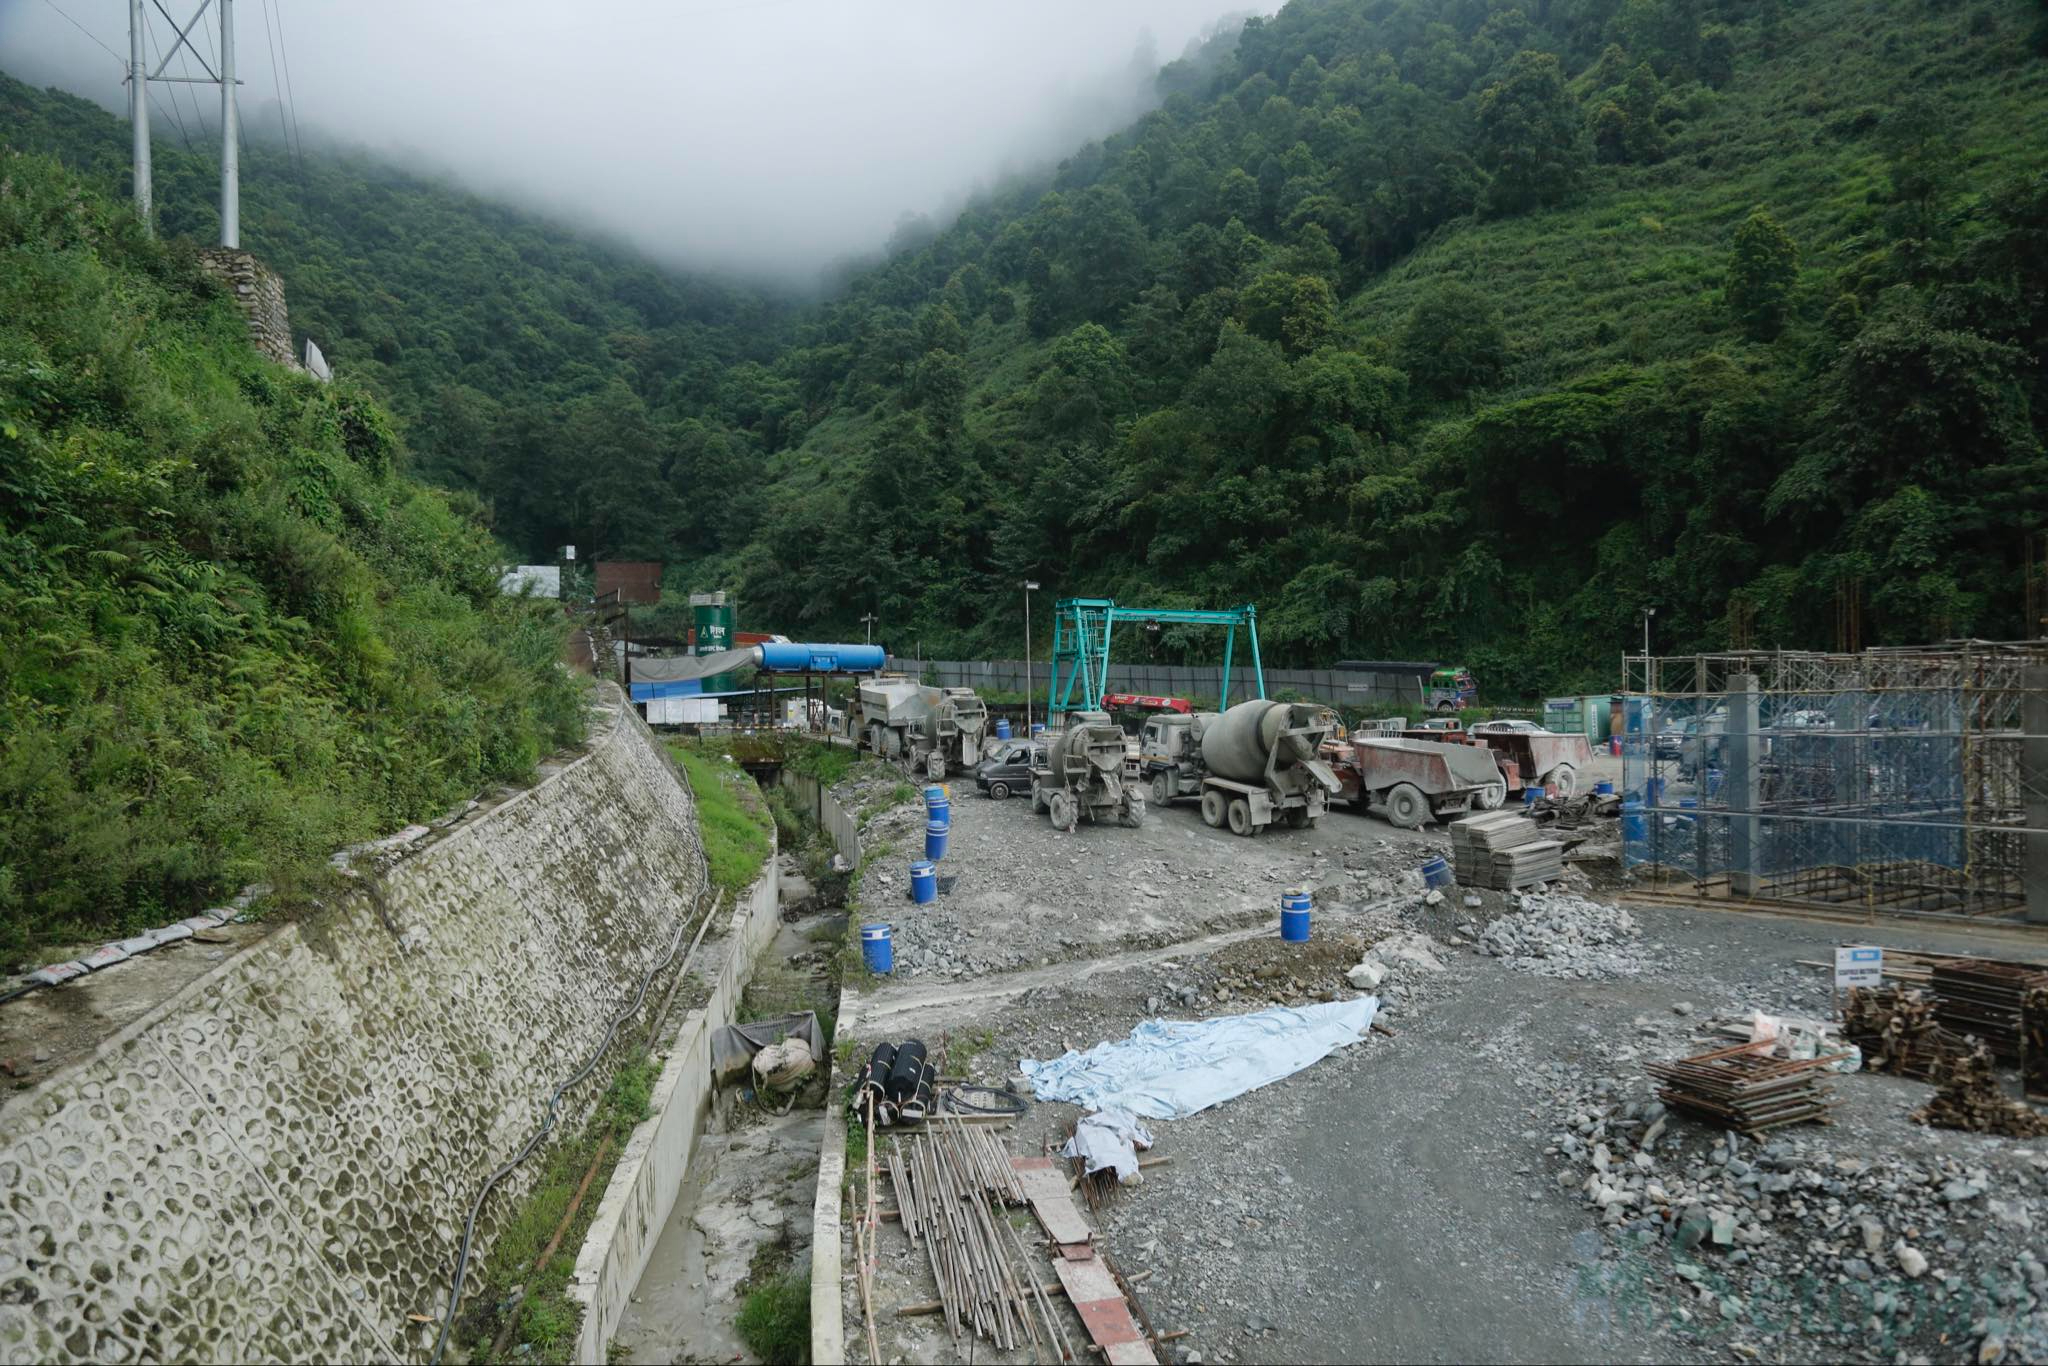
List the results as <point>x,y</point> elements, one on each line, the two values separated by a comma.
<point>1251,765</point>
<point>1083,774</point>
<point>1408,782</point>
<point>937,729</point>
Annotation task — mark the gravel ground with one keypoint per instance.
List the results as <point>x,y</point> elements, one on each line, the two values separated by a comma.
<point>1427,1197</point>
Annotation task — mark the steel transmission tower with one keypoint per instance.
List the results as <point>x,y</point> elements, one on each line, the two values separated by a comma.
<point>139,79</point>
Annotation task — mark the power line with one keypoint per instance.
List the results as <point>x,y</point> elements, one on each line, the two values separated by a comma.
<point>276,89</point>
<point>290,98</point>
<point>88,33</point>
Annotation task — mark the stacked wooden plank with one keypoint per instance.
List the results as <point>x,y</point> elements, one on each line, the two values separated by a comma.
<point>1745,1089</point>
<point>1968,1097</point>
<point>1503,850</point>
<point>1985,998</point>
<point>1899,1031</point>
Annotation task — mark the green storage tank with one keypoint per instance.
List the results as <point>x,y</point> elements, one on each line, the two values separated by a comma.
<point>714,617</point>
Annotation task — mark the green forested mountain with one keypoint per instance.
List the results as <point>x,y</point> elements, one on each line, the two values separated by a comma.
<point>233,637</point>
<point>1450,327</point>
<point>526,362</point>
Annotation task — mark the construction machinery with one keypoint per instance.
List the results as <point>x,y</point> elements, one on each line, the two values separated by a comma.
<point>1251,765</point>
<point>937,729</point>
<point>1083,773</point>
<point>1082,629</point>
<point>1408,782</point>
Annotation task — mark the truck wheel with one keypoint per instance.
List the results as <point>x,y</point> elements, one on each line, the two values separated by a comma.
<point>1564,778</point>
<point>1134,810</point>
<point>1212,809</point>
<point>875,738</point>
<point>1241,817</point>
<point>998,792</point>
<point>1162,789</point>
<point>1061,807</point>
<point>1407,807</point>
<point>1493,796</point>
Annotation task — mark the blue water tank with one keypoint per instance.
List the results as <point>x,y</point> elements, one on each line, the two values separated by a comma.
<point>791,658</point>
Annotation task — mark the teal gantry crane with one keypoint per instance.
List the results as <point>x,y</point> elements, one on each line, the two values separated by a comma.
<point>1081,632</point>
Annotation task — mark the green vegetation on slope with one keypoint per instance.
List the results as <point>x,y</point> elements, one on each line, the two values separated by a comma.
<point>731,814</point>
<point>551,373</point>
<point>233,637</point>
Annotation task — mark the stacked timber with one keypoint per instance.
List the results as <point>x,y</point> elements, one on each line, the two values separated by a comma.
<point>1503,850</point>
<point>1899,1031</point>
<point>1747,1090</point>
<point>1985,997</point>
<point>1968,1097</point>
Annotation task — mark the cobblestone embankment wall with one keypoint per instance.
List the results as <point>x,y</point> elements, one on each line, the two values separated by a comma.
<point>275,1163</point>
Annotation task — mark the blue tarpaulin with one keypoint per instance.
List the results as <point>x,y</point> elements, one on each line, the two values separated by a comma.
<point>1170,1069</point>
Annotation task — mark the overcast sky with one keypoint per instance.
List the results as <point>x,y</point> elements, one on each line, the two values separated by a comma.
<point>766,135</point>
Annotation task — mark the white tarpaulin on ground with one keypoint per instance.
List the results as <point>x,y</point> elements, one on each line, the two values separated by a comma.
<point>1110,1138</point>
<point>1170,1069</point>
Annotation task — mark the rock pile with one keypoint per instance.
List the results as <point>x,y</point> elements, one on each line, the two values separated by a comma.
<point>1788,1238</point>
<point>1561,935</point>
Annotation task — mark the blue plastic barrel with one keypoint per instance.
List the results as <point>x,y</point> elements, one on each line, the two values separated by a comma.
<point>1436,872</point>
<point>924,882</point>
<point>1002,728</point>
<point>1654,790</point>
<point>875,948</point>
<point>1037,729</point>
<point>1633,826</point>
<point>1713,783</point>
<point>1603,788</point>
<point>935,795</point>
<point>1294,906</point>
<point>935,840</point>
<point>1531,795</point>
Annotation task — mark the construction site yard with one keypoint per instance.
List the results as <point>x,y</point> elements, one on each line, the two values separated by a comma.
<point>1488,1175</point>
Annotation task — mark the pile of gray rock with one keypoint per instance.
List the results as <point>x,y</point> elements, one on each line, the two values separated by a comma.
<point>1558,934</point>
<point>1791,1238</point>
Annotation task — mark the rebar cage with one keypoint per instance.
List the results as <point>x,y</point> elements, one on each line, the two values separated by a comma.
<point>1890,780</point>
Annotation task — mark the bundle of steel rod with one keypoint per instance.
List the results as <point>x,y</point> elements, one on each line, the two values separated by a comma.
<point>1746,1090</point>
<point>1968,1098</point>
<point>945,1180</point>
<point>1983,997</point>
<point>1897,1029</point>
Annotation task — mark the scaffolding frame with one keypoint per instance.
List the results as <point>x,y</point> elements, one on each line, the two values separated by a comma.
<point>1886,781</point>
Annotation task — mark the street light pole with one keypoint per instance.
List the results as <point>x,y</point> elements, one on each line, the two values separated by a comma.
<point>1028,586</point>
<point>1648,612</point>
<point>868,624</point>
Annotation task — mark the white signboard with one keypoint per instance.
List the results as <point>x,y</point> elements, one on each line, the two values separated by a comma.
<point>1858,967</point>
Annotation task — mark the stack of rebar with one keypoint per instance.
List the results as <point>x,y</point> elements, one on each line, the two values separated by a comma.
<point>1984,997</point>
<point>1899,1032</point>
<point>945,1180</point>
<point>1503,850</point>
<point>1744,1089</point>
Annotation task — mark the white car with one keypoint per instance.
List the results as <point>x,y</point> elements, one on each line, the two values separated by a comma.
<point>1508,728</point>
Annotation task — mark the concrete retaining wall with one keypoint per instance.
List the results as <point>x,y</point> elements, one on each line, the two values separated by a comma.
<point>836,822</point>
<point>275,1162</point>
<point>643,1189</point>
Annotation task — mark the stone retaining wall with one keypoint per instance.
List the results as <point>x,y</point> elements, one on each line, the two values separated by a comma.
<point>259,293</point>
<point>275,1163</point>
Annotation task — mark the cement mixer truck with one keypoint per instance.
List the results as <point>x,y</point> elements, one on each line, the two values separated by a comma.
<point>937,729</point>
<point>1250,765</point>
<point>1084,774</point>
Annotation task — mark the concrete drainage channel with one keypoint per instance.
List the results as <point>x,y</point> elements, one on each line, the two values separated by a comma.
<point>643,1190</point>
<point>712,1198</point>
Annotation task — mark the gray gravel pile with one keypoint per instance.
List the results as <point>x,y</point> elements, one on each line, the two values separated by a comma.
<point>1558,934</point>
